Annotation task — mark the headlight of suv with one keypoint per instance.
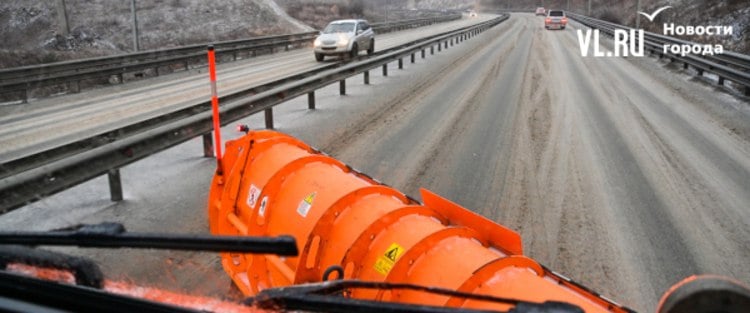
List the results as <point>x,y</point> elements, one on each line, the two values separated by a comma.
<point>343,42</point>
<point>317,42</point>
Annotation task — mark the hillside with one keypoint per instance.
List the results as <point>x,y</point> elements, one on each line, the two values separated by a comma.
<point>735,13</point>
<point>318,13</point>
<point>103,27</point>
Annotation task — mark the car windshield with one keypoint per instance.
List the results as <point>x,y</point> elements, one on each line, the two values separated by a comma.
<point>556,13</point>
<point>339,28</point>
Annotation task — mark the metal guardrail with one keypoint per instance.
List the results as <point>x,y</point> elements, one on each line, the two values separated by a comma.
<point>12,164</point>
<point>729,65</point>
<point>405,24</point>
<point>511,10</point>
<point>20,81</point>
<point>53,171</point>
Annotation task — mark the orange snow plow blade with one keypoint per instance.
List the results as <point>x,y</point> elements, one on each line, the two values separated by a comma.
<point>274,184</point>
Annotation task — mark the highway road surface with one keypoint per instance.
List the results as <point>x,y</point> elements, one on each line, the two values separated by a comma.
<point>625,175</point>
<point>94,112</point>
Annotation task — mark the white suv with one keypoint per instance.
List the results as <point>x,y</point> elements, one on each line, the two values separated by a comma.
<point>555,19</point>
<point>344,37</point>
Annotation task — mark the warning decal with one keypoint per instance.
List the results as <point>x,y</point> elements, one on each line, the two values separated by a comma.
<point>305,204</point>
<point>385,262</point>
<point>252,196</point>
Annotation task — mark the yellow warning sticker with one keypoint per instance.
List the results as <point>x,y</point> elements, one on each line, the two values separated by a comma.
<point>305,204</point>
<point>385,262</point>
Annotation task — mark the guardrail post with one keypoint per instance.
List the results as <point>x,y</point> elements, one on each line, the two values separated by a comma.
<point>747,91</point>
<point>440,46</point>
<point>412,57</point>
<point>432,50</point>
<point>685,65</point>
<point>400,63</point>
<point>311,100</point>
<point>367,77</point>
<point>269,118</point>
<point>700,72</point>
<point>423,53</point>
<point>342,87</point>
<point>721,81</point>
<point>208,145</point>
<point>385,69</point>
<point>115,184</point>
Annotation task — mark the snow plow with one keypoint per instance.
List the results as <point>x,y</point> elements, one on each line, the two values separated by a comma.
<point>298,231</point>
<point>348,223</point>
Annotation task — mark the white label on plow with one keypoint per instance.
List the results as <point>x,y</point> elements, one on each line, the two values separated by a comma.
<point>252,196</point>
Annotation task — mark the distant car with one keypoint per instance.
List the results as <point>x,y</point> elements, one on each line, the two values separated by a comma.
<point>346,38</point>
<point>555,19</point>
<point>472,14</point>
<point>541,11</point>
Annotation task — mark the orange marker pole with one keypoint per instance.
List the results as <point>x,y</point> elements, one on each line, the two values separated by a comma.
<point>215,106</point>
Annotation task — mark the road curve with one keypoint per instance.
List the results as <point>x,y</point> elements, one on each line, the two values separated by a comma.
<point>624,174</point>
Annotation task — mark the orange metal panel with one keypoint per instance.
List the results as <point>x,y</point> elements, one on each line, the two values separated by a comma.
<point>274,184</point>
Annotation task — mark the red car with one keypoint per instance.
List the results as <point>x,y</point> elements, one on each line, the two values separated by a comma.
<point>541,11</point>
